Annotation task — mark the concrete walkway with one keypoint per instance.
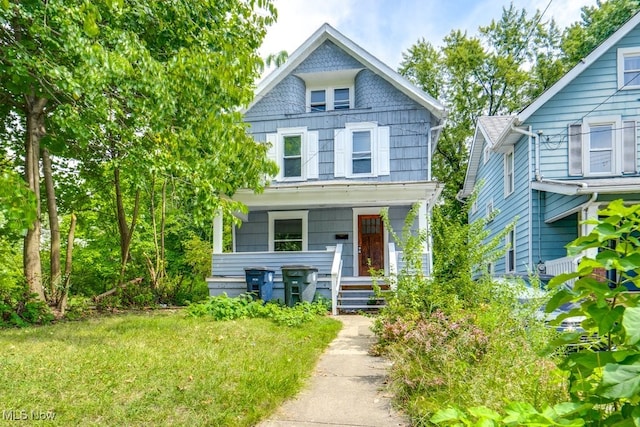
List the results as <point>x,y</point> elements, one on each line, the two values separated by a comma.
<point>346,388</point>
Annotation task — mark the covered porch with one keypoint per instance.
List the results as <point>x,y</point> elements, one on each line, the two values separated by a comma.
<point>333,226</point>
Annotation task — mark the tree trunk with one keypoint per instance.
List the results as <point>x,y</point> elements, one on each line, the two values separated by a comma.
<point>126,231</point>
<point>163,220</point>
<point>31,250</point>
<point>62,301</point>
<point>54,225</point>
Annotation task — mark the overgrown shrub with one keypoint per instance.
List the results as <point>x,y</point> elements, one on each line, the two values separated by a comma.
<point>603,380</point>
<point>456,341</point>
<point>244,306</point>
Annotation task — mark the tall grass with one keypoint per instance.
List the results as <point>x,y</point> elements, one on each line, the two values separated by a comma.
<point>157,369</point>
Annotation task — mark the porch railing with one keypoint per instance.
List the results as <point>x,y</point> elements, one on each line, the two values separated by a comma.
<point>563,265</point>
<point>336,276</point>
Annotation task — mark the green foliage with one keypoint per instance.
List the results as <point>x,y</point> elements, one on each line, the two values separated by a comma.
<point>509,63</point>
<point>597,23</point>
<point>245,307</point>
<point>452,339</point>
<point>603,379</point>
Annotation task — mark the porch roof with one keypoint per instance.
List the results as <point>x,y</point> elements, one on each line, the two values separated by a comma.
<point>572,187</point>
<point>320,194</point>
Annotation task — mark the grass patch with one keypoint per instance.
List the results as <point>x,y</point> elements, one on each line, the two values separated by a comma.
<point>158,369</point>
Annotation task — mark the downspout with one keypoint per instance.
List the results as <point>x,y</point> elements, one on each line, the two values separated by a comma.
<point>533,137</point>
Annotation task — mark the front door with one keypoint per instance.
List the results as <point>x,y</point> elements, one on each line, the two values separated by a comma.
<point>370,244</point>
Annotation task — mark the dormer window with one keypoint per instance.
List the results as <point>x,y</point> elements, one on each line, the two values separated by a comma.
<point>318,100</point>
<point>331,98</point>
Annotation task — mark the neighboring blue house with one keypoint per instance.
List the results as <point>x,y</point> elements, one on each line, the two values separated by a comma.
<point>351,137</point>
<point>558,161</point>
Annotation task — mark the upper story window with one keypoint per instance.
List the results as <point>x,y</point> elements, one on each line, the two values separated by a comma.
<point>509,179</point>
<point>629,68</point>
<point>295,150</point>
<point>603,146</point>
<point>486,152</point>
<point>330,98</point>
<point>361,150</point>
<point>292,156</point>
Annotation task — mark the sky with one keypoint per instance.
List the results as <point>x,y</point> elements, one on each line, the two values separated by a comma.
<point>386,28</point>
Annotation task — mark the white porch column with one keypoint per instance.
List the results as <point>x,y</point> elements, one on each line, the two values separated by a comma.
<point>424,217</point>
<point>217,233</point>
<point>590,211</point>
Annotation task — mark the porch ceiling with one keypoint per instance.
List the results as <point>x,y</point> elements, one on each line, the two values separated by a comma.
<point>339,193</point>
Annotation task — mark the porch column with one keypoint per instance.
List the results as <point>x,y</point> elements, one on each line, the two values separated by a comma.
<point>217,232</point>
<point>424,217</point>
<point>589,212</point>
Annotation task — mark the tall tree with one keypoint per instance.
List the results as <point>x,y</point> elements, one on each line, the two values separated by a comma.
<point>499,71</point>
<point>597,23</point>
<point>121,88</point>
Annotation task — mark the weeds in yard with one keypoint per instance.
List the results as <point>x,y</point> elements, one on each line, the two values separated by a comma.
<point>244,306</point>
<point>457,342</point>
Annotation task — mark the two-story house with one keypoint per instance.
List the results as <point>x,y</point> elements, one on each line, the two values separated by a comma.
<point>350,137</point>
<point>554,164</point>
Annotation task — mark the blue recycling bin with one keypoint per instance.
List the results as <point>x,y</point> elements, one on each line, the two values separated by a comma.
<point>260,282</point>
<point>299,283</point>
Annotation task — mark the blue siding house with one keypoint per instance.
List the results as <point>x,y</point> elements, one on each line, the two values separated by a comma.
<point>554,164</point>
<point>351,137</point>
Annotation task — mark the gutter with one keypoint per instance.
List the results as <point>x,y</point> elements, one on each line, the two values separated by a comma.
<point>536,146</point>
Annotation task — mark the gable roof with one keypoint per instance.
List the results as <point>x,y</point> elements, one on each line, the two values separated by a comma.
<point>489,129</point>
<point>327,32</point>
<point>580,67</point>
<point>490,125</point>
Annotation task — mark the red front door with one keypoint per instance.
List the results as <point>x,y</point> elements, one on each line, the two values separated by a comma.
<point>370,244</point>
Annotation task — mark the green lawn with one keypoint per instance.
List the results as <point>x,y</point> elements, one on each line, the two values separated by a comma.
<point>156,369</point>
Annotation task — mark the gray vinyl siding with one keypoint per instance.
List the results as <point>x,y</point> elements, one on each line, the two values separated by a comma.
<point>375,101</point>
<point>323,225</point>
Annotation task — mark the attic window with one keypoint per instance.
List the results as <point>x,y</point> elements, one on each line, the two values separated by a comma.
<point>329,98</point>
<point>629,68</point>
<point>318,100</point>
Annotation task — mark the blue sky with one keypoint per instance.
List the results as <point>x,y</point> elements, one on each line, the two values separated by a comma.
<point>386,28</point>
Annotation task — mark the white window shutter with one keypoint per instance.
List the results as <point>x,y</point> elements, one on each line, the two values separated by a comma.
<point>383,152</point>
<point>629,147</point>
<point>339,153</point>
<point>575,150</point>
<point>312,163</point>
<point>272,153</point>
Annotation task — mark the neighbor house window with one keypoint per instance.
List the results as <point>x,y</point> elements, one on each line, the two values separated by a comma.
<point>509,181</point>
<point>295,150</point>
<point>603,146</point>
<point>292,156</point>
<point>486,152</point>
<point>510,261</point>
<point>629,68</point>
<point>361,149</point>
<point>329,98</point>
<point>489,210</point>
<point>288,231</point>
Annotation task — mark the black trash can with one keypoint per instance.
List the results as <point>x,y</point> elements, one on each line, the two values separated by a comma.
<point>260,282</point>
<point>299,283</point>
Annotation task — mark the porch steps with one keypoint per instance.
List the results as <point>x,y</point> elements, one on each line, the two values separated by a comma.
<point>358,295</point>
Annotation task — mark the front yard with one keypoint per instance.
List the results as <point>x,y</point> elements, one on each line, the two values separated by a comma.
<point>156,369</point>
